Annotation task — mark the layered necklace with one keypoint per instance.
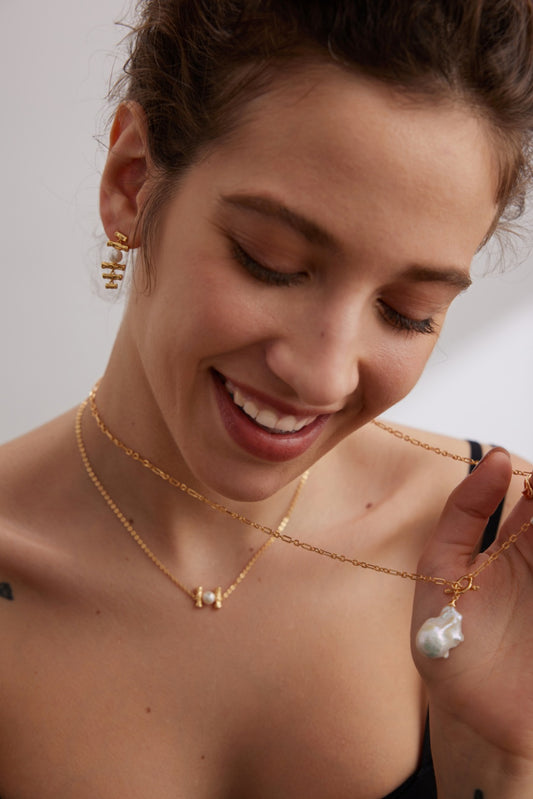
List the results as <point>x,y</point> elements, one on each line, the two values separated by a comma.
<point>436,636</point>
<point>201,596</point>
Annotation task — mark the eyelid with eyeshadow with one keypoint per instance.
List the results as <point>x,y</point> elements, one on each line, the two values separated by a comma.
<point>265,273</point>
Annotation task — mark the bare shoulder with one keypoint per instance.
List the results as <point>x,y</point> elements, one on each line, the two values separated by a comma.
<point>411,454</point>
<point>444,446</point>
<point>37,488</point>
<point>418,463</point>
<point>31,465</point>
<point>436,461</point>
<point>423,442</point>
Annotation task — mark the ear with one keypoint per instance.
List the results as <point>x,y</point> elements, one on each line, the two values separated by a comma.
<point>124,185</point>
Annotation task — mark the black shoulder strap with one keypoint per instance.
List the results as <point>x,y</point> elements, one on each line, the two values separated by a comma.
<point>489,534</point>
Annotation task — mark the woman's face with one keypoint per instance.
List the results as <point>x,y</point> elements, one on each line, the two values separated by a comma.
<point>303,271</point>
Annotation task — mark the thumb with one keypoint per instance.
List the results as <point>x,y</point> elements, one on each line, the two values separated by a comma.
<point>450,551</point>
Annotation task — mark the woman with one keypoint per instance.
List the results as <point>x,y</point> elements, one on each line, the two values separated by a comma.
<point>303,191</point>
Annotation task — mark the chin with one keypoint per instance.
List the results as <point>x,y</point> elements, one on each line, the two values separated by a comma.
<point>248,482</point>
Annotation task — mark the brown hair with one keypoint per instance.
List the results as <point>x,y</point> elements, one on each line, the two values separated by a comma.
<point>193,64</point>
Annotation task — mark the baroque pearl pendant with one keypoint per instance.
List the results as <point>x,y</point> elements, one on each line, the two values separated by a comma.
<point>439,634</point>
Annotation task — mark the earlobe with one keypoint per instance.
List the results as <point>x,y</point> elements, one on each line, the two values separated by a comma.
<point>123,187</point>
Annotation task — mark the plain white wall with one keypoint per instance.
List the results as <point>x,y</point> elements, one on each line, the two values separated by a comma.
<point>56,327</point>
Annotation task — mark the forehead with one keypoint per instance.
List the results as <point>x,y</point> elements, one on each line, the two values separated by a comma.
<point>352,149</point>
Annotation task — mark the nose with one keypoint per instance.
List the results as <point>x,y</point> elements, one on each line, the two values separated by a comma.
<point>319,357</point>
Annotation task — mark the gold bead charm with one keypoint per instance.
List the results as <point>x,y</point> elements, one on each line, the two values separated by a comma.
<point>113,269</point>
<point>207,597</point>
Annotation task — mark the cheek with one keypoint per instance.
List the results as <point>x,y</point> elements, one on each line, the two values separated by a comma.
<point>396,368</point>
<point>202,311</point>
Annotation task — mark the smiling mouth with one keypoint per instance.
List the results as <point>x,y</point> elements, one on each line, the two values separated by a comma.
<point>264,416</point>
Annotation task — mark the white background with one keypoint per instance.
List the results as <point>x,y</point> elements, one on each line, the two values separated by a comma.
<point>56,328</point>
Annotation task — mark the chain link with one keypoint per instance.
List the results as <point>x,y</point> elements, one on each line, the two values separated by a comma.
<point>437,450</point>
<point>274,534</point>
<point>454,587</point>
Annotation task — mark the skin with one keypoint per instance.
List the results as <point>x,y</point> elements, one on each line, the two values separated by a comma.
<point>268,338</point>
<point>397,196</point>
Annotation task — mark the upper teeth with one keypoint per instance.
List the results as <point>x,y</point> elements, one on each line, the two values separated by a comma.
<point>267,417</point>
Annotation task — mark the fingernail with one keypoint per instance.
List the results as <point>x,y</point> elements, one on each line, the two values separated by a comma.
<point>491,452</point>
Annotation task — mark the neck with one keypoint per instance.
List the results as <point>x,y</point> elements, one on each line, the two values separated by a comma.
<point>179,526</point>
<point>171,516</point>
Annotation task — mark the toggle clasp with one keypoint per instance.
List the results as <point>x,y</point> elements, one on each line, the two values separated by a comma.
<point>460,587</point>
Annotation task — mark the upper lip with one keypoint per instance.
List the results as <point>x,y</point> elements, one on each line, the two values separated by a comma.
<point>274,403</point>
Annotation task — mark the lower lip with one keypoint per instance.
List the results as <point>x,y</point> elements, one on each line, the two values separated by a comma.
<point>255,439</point>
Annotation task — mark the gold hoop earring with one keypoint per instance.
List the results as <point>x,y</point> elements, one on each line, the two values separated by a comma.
<point>113,269</point>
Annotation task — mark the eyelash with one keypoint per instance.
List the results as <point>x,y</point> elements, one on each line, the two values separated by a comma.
<point>405,323</point>
<point>274,278</point>
<point>263,273</point>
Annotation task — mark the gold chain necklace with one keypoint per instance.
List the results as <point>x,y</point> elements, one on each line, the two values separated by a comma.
<point>437,450</point>
<point>437,635</point>
<point>199,595</point>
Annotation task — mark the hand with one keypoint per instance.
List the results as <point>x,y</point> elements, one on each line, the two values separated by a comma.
<point>482,694</point>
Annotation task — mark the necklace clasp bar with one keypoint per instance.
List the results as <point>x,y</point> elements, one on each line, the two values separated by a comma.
<point>460,587</point>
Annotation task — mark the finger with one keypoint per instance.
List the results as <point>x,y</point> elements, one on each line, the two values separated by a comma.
<point>467,511</point>
<point>520,514</point>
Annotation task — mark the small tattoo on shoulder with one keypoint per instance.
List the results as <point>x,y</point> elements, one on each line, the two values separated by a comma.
<point>5,592</point>
<point>478,794</point>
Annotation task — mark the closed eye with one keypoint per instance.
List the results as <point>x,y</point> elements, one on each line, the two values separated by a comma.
<point>274,277</point>
<point>264,273</point>
<point>406,323</point>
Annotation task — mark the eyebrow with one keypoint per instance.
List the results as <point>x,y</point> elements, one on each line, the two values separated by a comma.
<point>266,206</point>
<point>316,234</point>
<point>452,276</point>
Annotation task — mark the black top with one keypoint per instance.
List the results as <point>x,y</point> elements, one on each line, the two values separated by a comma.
<point>421,784</point>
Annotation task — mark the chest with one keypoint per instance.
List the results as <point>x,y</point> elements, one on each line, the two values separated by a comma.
<point>305,692</point>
